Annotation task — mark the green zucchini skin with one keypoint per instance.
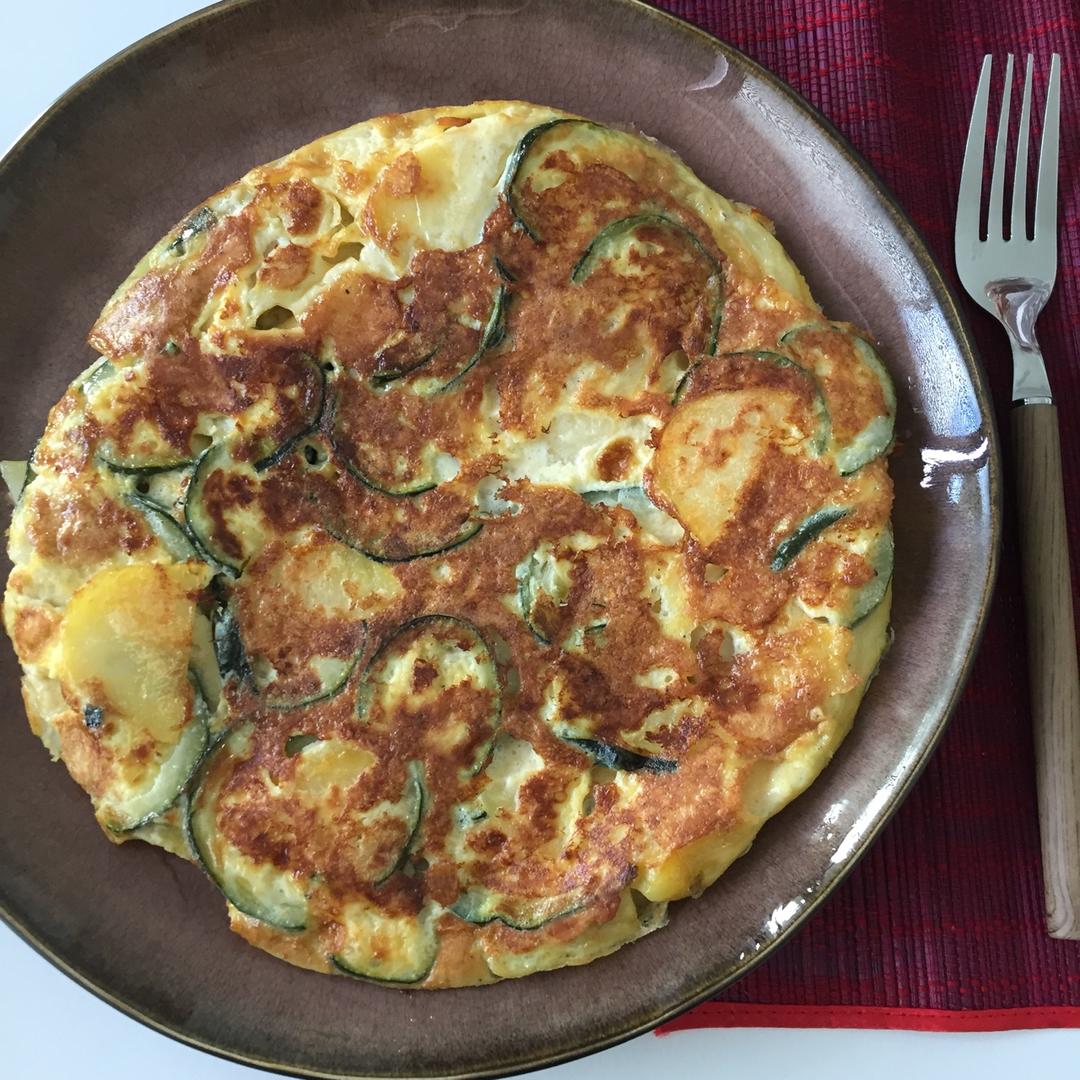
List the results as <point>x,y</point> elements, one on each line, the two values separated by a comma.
<point>527,600</point>
<point>876,438</point>
<point>229,651</point>
<point>343,968</point>
<point>99,371</point>
<point>417,793</point>
<point>515,171</point>
<point>615,231</point>
<point>807,530</point>
<point>361,477</point>
<point>493,336</point>
<point>206,864</point>
<point>619,758</point>
<point>877,443</point>
<point>295,744</point>
<point>188,753</point>
<point>474,908</point>
<point>279,454</point>
<point>144,470</point>
<point>325,694</point>
<point>494,719</point>
<point>204,218</point>
<point>385,378</point>
<point>197,477</point>
<point>470,530</point>
<point>871,594</point>
<point>174,536</point>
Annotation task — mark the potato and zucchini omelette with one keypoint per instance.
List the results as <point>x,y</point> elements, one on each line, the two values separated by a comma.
<point>471,533</point>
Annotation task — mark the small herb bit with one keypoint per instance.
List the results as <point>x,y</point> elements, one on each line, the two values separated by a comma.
<point>229,647</point>
<point>617,757</point>
<point>294,744</point>
<point>199,222</point>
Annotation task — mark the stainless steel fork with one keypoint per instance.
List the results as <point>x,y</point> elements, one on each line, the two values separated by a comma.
<point>1011,276</point>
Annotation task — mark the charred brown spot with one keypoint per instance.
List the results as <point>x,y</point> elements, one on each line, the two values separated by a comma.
<point>615,461</point>
<point>163,304</point>
<point>285,266</point>
<point>303,206</point>
<point>423,675</point>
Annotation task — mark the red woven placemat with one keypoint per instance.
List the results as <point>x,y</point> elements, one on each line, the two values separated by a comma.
<point>940,926</point>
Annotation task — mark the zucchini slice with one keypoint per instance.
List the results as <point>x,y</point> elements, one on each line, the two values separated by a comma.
<point>14,475</point>
<point>113,398</point>
<point>333,674</point>
<point>229,651</point>
<point>413,805</point>
<point>17,476</point>
<point>221,511</point>
<point>101,370</point>
<point>546,881</point>
<point>848,605</point>
<point>634,918</point>
<point>480,906</point>
<point>807,530</point>
<point>421,545</point>
<point>426,478</point>
<point>204,668</point>
<point>821,411</point>
<point>195,224</point>
<point>440,661</point>
<point>849,370</point>
<point>527,159</point>
<point>136,809</point>
<point>867,598</point>
<point>541,574</point>
<point>714,446</point>
<point>261,889</point>
<point>166,488</point>
<point>615,238</point>
<point>382,948</point>
<point>292,443</point>
<point>619,758</point>
<point>133,680</point>
<point>652,520</point>
<point>172,536</point>
<point>123,469</point>
<point>385,376</point>
<point>492,334</point>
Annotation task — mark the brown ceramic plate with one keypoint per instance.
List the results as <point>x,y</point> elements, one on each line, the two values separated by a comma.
<point>145,137</point>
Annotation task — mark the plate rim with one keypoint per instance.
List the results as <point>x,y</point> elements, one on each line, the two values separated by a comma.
<point>946,299</point>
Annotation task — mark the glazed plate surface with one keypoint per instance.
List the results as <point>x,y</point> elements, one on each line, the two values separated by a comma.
<point>134,146</point>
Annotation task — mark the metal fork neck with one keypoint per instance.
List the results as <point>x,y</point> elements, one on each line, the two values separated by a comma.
<point>1018,302</point>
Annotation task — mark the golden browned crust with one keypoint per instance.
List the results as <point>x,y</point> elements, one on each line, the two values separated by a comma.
<point>376,383</point>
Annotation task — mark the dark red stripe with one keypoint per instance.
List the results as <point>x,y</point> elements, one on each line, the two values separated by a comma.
<point>714,1014</point>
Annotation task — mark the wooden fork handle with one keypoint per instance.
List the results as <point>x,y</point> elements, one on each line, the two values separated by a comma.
<point>1055,691</point>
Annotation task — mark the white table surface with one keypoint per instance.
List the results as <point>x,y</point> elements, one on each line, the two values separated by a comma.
<point>50,1028</point>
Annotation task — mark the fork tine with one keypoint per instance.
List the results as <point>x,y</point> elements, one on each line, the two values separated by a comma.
<point>1018,224</point>
<point>1046,192</point>
<point>970,196</point>
<point>994,220</point>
